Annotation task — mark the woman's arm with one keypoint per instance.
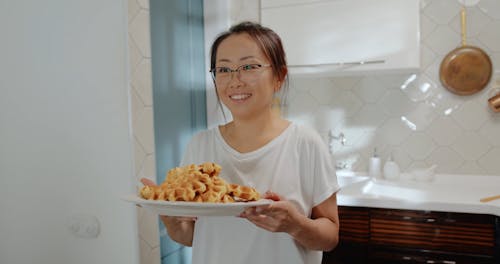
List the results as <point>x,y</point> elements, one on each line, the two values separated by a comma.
<point>320,232</point>
<point>180,229</point>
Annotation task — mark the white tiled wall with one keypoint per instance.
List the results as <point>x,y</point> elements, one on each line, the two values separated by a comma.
<point>141,108</point>
<point>411,116</point>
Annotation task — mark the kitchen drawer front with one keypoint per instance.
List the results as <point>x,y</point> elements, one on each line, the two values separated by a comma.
<point>454,232</point>
<point>388,255</point>
<point>354,224</point>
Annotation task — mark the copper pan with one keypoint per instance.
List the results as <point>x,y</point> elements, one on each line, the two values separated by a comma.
<point>467,69</point>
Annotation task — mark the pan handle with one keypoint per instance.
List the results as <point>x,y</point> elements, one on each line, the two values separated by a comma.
<point>463,27</point>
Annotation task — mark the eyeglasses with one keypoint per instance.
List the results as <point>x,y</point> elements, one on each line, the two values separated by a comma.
<point>247,72</point>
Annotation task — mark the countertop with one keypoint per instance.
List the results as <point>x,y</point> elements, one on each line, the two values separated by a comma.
<point>445,192</point>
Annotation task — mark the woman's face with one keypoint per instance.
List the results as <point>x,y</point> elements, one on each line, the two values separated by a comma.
<point>245,94</point>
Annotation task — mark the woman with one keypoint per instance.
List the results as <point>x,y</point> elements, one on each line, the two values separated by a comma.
<point>260,149</point>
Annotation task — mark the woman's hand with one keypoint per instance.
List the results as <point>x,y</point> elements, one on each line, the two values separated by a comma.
<point>179,228</point>
<point>280,216</point>
<point>320,232</point>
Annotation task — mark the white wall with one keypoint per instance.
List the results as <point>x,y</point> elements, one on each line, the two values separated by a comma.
<point>65,146</point>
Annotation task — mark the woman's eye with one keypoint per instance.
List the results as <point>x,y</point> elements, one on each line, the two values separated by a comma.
<point>223,70</point>
<point>249,67</point>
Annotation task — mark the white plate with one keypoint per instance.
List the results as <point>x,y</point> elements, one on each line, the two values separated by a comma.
<point>194,208</point>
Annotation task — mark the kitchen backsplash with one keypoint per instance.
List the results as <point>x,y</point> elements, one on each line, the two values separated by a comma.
<point>410,115</point>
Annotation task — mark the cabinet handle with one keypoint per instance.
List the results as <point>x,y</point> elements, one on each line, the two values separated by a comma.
<point>406,258</point>
<point>430,261</point>
<point>430,220</point>
<point>349,63</point>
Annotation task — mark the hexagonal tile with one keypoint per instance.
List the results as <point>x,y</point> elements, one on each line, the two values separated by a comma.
<point>470,145</point>
<point>427,56</point>
<point>490,36</point>
<point>322,90</point>
<point>470,116</point>
<point>143,130</point>
<point>445,103</point>
<point>327,117</point>
<point>148,226</point>
<point>491,132</point>
<point>301,105</point>
<point>139,157</point>
<point>432,71</point>
<point>133,9</point>
<point>143,3</point>
<point>444,131</point>
<point>420,89</point>
<point>441,11</point>
<point>396,81</point>
<point>149,166</point>
<point>427,25</point>
<point>393,131</point>
<point>419,145</point>
<point>489,162</point>
<point>369,116</point>
<point>401,157</point>
<point>143,83</point>
<point>395,103</point>
<point>348,102</point>
<point>491,8</point>
<point>369,89</point>
<point>469,167</point>
<point>136,105</point>
<point>139,31</point>
<point>420,117</point>
<point>443,40</point>
<point>446,159</point>
<point>302,84</point>
<point>345,82</point>
<point>135,56</point>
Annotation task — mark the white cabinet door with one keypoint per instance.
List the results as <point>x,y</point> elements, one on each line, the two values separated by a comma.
<point>342,36</point>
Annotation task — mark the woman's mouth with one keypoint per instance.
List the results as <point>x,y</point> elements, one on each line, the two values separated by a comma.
<point>239,97</point>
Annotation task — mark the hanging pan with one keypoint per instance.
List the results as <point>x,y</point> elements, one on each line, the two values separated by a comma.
<point>467,69</point>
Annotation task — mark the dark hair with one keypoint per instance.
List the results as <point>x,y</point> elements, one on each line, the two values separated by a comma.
<point>267,40</point>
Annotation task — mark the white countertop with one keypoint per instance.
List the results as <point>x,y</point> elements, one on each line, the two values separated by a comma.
<point>446,193</point>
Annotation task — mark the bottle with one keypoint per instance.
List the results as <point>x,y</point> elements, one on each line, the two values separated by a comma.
<point>391,169</point>
<point>374,168</point>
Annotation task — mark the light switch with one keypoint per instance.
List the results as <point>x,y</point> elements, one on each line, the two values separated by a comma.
<point>85,226</point>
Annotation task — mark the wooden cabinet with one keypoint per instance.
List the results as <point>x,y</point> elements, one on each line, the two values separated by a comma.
<point>374,235</point>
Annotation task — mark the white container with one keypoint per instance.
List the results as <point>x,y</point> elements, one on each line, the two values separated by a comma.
<point>391,170</point>
<point>375,166</point>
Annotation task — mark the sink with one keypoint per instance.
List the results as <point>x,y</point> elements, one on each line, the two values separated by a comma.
<point>447,189</point>
<point>456,193</point>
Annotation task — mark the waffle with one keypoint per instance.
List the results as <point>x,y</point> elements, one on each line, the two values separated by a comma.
<point>198,183</point>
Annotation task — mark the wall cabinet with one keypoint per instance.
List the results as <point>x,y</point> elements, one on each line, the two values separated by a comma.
<point>374,235</point>
<point>346,36</point>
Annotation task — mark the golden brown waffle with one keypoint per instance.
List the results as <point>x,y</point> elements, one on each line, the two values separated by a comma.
<point>198,183</point>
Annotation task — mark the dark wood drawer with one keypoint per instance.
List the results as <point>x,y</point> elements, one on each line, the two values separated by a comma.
<point>388,255</point>
<point>354,224</point>
<point>456,232</point>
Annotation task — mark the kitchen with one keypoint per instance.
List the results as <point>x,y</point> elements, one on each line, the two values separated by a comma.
<point>459,133</point>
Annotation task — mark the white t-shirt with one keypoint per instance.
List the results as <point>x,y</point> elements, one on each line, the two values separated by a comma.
<point>296,165</point>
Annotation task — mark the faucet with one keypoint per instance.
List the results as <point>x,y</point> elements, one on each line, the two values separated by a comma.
<point>340,137</point>
<point>341,165</point>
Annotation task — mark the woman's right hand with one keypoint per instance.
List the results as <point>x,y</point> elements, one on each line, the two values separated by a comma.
<point>179,228</point>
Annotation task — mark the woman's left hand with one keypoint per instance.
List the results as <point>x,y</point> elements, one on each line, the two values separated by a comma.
<point>280,216</point>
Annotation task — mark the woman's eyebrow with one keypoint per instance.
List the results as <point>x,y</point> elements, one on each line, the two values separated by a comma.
<point>241,59</point>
